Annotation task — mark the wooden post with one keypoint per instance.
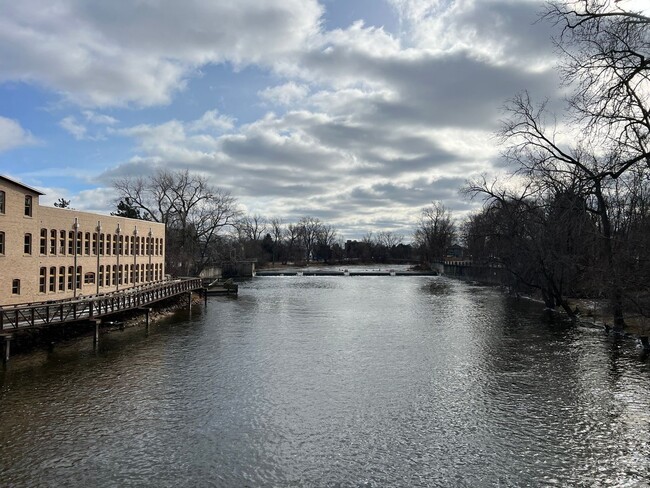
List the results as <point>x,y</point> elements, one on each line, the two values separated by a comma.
<point>6,352</point>
<point>96,336</point>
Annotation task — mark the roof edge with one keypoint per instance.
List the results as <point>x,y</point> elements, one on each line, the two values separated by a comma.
<point>22,185</point>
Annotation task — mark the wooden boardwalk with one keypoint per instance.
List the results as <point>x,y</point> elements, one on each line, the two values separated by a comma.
<point>17,317</point>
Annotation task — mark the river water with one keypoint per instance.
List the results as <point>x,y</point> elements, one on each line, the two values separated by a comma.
<point>334,381</point>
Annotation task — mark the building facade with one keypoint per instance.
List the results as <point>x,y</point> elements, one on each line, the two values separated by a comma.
<point>49,253</point>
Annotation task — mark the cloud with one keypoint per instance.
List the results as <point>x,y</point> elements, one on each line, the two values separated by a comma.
<point>71,125</point>
<point>287,94</point>
<point>99,119</point>
<point>100,54</point>
<point>12,135</point>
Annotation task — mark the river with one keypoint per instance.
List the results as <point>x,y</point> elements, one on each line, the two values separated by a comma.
<point>334,381</point>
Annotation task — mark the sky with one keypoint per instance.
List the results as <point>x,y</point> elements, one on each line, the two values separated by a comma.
<point>357,112</point>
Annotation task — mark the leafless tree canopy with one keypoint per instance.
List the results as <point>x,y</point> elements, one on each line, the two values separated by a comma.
<point>194,212</point>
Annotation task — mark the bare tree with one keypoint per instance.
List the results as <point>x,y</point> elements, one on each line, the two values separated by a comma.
<point>194,213</point>
<point>435,232</point>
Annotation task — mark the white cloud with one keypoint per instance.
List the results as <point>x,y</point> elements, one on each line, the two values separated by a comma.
<point>99,119</point>
<point>12,135</point>
<point>116,53</point>
<point>212,121</point>
<point>71,125</point>
<point>287,94</point>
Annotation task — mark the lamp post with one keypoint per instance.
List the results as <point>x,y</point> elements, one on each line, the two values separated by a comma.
<point>149,251</point>
<point>136,250</point>
<point>118,231</point>
<point>75,242</point>
<point>98,246</point>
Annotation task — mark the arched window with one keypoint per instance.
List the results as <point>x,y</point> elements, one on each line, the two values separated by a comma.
<point>62,242</point>
<point>41,280</point>
<point>95,243</point>
<point>71,243</point>
<point>53,241</point>
<point>80,240</point>
<point>89,278</point>
<point>43,245</point>
<point>87,244</point>
<point>27,247</point>
<point>28,206</point>
<point>62,278</point>
<point>101,244</point>
<point>70,277</point>
<point>52,279</point>
<point>79,273</point>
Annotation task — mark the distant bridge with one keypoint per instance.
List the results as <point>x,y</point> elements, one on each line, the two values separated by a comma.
<point>346,273</point>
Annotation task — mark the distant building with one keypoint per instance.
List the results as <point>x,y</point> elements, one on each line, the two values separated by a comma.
<point>456,251</point>
<point>49,253</point>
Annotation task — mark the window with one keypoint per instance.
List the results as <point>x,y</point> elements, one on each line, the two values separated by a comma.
<point>28,205</point>
<point>62,242</point>
<point>27,248</point>
<point>70,277</point>
<point>53,242</point>
<point>43,246</point>
<point>120,276</point>
<point>2,202</point>
<point>121,249</point>
<point>101,275</point>
<point>115,245</point>
<point>114,280</point>
<point>156,246</point>
<point>52,279</point>
<point>79,273</point>
<point>41,281</point>
<point>71,243</point>
<point>126,245</point>
<point>108,244</point>
<point>15,287</point>
<point>101,244</point>
<point>2,243</point>
<point>95,243</point>
<point>87,244</point>
<point>89,278</point>
<point>62,278</point>
<point>133,246</point>
<point>80,238</point>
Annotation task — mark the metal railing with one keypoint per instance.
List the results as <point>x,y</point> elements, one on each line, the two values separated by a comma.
<point>85,308</point>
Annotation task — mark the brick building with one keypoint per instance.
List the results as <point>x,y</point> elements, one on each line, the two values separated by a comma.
<point>49,253</point>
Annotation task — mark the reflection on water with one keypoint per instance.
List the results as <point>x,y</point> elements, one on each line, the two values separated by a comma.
<point>317,381</point>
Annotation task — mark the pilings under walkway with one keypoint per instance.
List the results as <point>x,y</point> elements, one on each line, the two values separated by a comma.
<point>346,273</point>
<point>88,308</point>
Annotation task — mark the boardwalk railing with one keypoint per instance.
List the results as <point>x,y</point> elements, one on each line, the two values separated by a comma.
<point>84,308</point>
